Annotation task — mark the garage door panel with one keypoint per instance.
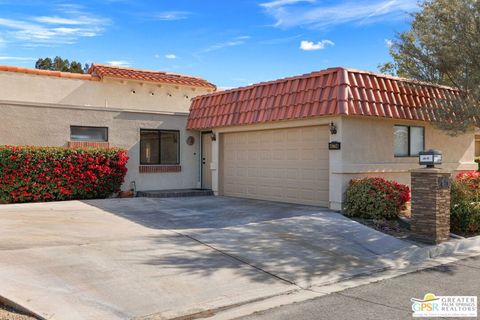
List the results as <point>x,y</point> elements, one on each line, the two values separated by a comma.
<point>288,165</point>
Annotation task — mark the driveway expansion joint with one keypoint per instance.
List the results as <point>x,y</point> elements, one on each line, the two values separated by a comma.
<point>237,259</point>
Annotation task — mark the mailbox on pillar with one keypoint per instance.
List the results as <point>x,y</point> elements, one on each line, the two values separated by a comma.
<point>430,158</point>
<point>430,199</point>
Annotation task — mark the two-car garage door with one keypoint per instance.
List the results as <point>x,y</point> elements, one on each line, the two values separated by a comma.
<point>288,165</point>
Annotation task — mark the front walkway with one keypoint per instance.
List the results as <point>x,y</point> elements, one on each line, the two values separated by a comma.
<point>127,258</point>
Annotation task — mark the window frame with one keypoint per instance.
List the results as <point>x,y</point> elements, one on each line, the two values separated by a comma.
<point>107,133</point>
<point>159,132</point>
<point>409,155</point>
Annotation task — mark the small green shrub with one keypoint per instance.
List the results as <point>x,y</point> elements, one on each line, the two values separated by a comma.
<point>465,204</point>
<point>30,174</point>
<point>477,160</point>
<point>375,198</point>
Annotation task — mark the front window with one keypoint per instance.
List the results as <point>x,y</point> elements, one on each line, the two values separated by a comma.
<point>159,147</point>
<point>408,141</point>
<point>82,133</point>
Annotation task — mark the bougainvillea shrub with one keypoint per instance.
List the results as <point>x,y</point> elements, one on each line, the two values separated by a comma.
<point>29,174</point>
<point>465,204</point>
<point>375,198</point>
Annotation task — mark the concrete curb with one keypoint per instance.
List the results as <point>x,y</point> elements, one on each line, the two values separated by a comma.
<point>407,261</point>
<point>401,262</point>
<point>417,255</point>
<point>22,309</point>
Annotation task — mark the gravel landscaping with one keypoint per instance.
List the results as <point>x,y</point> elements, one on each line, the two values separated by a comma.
<point>7,313</point>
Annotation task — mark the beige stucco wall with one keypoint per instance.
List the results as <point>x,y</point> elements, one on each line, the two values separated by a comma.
<point>367,149</point>
<point>45,125</point>
<point>108,93</point>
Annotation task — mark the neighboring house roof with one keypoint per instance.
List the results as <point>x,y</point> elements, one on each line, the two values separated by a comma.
<point>49,73</point>
<point>105,71</point>
<point>334,91</point>
<point>99,71</point>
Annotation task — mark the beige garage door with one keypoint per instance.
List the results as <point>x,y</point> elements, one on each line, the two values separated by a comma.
<point>288,165</point>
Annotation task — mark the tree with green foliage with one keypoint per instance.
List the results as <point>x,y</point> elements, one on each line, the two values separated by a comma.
<point>59,64</point>
<point>443,47</point>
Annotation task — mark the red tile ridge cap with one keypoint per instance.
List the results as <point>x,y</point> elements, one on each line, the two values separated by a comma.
<point>49,73</point>
<point>343,79</point>
<point>91,70</point>
<point>266,83</point>
<point>402,79</point>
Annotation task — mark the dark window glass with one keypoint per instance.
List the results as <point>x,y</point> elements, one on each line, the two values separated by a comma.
<point>78,133</point>
<point>149,147</point>
<point>159,147</point>
<point>169,147</point>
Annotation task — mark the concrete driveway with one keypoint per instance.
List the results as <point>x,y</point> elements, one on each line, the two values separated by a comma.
<point>166,258</point>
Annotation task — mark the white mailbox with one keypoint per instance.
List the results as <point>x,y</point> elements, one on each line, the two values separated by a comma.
<point>430,158</point>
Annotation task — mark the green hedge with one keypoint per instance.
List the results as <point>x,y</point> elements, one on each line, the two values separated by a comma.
<point>375,198</point>
<point>29,174</point>
<point>465,204</point>
<point>477,160</point>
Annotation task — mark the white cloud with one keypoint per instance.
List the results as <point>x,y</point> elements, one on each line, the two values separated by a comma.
<point>74,23</point>
<point>170,56</point>
<point>7,58</point>
<point>237,41</point>
<point>64,21</point>
<point>388,43</point>
<point>278,3</point>
<point>312,46</point>
<point>119,63</point>
<point>172,15</point>
<point>319,15</point>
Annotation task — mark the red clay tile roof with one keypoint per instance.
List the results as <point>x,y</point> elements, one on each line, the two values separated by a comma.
<point>98,71</point>
<point>334,91</point>
<point>146,75</point>
<point>49,73</point>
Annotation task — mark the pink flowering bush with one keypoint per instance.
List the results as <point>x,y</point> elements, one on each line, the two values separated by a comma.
<point>465,204</point>
<point>375,198</point>
<point>30,174</point>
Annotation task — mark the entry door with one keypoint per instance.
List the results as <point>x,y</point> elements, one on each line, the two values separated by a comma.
<point>206,160</point>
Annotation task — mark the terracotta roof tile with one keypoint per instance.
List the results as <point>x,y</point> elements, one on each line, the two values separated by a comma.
<point>38,72</point>
<point>105,71</point>
<point>334,91</point>
<point>98,71</point>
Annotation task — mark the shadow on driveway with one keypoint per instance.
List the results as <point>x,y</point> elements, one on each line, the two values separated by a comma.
<point>199,212</point>
<point>303,245</point>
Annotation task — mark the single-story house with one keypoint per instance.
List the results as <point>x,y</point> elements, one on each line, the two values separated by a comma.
<point>302,139</point>
<point>299,139</point>
<point>142,111</point>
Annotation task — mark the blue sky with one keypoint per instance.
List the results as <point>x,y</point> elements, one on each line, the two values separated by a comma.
<point>230,43</point>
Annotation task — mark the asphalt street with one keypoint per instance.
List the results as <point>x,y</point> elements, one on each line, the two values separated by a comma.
<point>386,299</point>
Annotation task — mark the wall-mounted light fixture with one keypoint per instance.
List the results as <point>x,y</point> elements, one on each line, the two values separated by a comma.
<point>213,136</point>
<point>186,96</point>
<point>333,128</point>
<point>169,94</point>
<point>132,91</point>
<point>152,93</point>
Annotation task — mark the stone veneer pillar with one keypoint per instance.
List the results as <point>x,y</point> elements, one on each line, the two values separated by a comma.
<point>430,205</point>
